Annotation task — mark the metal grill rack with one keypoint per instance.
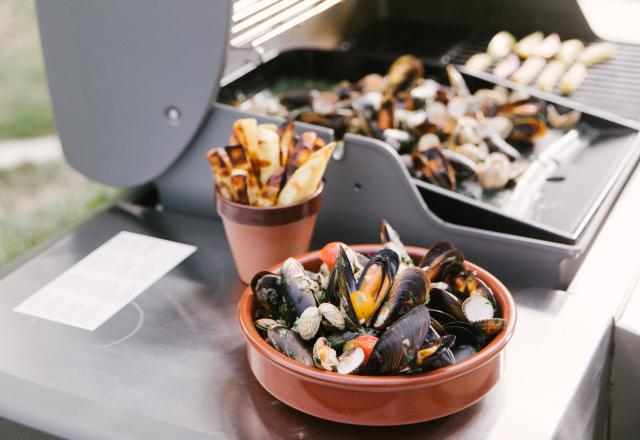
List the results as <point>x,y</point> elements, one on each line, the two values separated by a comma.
<point>255,22</point>
<point>611,90</point>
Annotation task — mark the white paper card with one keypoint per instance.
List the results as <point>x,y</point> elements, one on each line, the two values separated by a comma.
<point>98,286</point>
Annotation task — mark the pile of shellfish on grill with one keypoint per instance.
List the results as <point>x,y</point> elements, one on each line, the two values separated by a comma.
<point>473,143</point>
<point>548,61</point>
<point>377,314</point>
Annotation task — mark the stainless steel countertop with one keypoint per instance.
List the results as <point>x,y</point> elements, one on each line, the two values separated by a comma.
<point>172,364</point>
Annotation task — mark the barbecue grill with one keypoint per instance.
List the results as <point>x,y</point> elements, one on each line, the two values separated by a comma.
<point>142,90</point>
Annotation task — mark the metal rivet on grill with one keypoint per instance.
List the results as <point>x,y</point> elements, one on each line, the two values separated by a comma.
<point>173,113</point>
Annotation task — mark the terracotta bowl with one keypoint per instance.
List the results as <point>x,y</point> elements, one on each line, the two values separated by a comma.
<point>378,400</point>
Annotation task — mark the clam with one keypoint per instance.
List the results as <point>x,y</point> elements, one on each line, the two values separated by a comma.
<point>298,286</point>
<point>324,356</point>
<point>372,83</point>
<point>409,289</point>
<point>308,323</point>
<point>351,361</point>
<point>490,326</point>
<point>289,343</point>
<point>495,171</point>
<point>399,342</point>
<point>477,308</point>
<point>565,120</point>
<point>332,315</point>
<point>427,141</point>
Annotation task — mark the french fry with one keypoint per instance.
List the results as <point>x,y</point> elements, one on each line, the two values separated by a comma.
<point>240,186</point>
<point>239,161</point>
<point>305,180</point>
<point>245,132</point>
<point>272,187</point>
<point>268,151</point>
<point>287,142</point>
<point>221,168</point>
<point>269,126</point>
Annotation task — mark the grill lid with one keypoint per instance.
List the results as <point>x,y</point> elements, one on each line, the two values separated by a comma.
<point>131,82</point>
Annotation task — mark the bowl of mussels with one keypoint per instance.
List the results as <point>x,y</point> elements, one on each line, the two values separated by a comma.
<point>377,334</point>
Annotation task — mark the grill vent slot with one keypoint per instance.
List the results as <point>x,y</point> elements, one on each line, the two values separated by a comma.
<point>255,22</point>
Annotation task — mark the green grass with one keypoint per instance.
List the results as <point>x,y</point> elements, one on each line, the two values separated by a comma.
<point>25,108</point>
<point>38,200</point>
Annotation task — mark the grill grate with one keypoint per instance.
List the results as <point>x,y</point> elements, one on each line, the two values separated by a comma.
<point>255,22</point>
<point>612,88</point>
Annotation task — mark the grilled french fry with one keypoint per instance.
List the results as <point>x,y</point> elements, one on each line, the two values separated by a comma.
<point>272,187</point>
<point>221,167</point>
<point>269,126</point>
<point>573,79</point>
<point>524,48</point>
<point>500,45</point>
<point>570,50</point>
<point>268,152</point>
<point>287,142</point>
<point>528,71</point>
<point>240,186</point>
<point>478,62</point>
<point>550,75</point>
<point>597,53</point>
<point>547,48</point>
<point>306,179</point>
<point>245,132</point>
<point>239,160</point>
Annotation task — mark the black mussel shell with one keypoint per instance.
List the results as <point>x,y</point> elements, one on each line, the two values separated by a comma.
<point>464,167</point>
<point>397,346</point>
<point>466,334</point>
<point>447,303</point>
<point>267,288</point>
<point>338,340</point>
<point>455,276</point>
<point>409,289</point>
<point>290,344</point>
<point>341,284</point>
<point>439,257</point>
<point>297,286</point>
<point>389,262</point>
<point>435,167</point>
<point>435,352</point>
<point>440,316</point>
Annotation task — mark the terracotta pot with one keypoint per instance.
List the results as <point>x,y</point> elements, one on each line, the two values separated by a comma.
<point>378,400</point>
<point>261,237</point>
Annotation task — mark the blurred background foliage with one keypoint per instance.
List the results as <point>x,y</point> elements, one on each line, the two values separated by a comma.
<point>36,198</point>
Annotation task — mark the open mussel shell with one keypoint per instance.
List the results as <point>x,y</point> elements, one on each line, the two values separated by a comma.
<point>435,352</point>
<point>404,72</point>
<point>466,334</point>
<point>527,129</point>
<point>441,317</point>
<point>341,284</point>
<point>264,324</point>
<point>298,286</point>
<point>399,343</point>
<point>455,276</point>
<point>490,326</point>
<point>290,344</point>
<point>409,289</point>
<point>447,303</point>
<point>267,288</point>
<point>464,167</point>
<point>337,340</point>
<point>324,356</point>
<point>391,240</point>
<point>375,280</point>
<point>435,167</point>
<point>439,257</point>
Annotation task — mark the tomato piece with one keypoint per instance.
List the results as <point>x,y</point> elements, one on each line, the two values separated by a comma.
<point>366,342</point>
<point>329,253</point>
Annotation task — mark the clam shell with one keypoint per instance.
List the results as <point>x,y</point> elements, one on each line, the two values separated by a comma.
<point>332,314</point>
<point>324,356</point>
<point>309,323</point>
<point>351,361</point>
<point>477,308</point>
<point>491,326</point>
